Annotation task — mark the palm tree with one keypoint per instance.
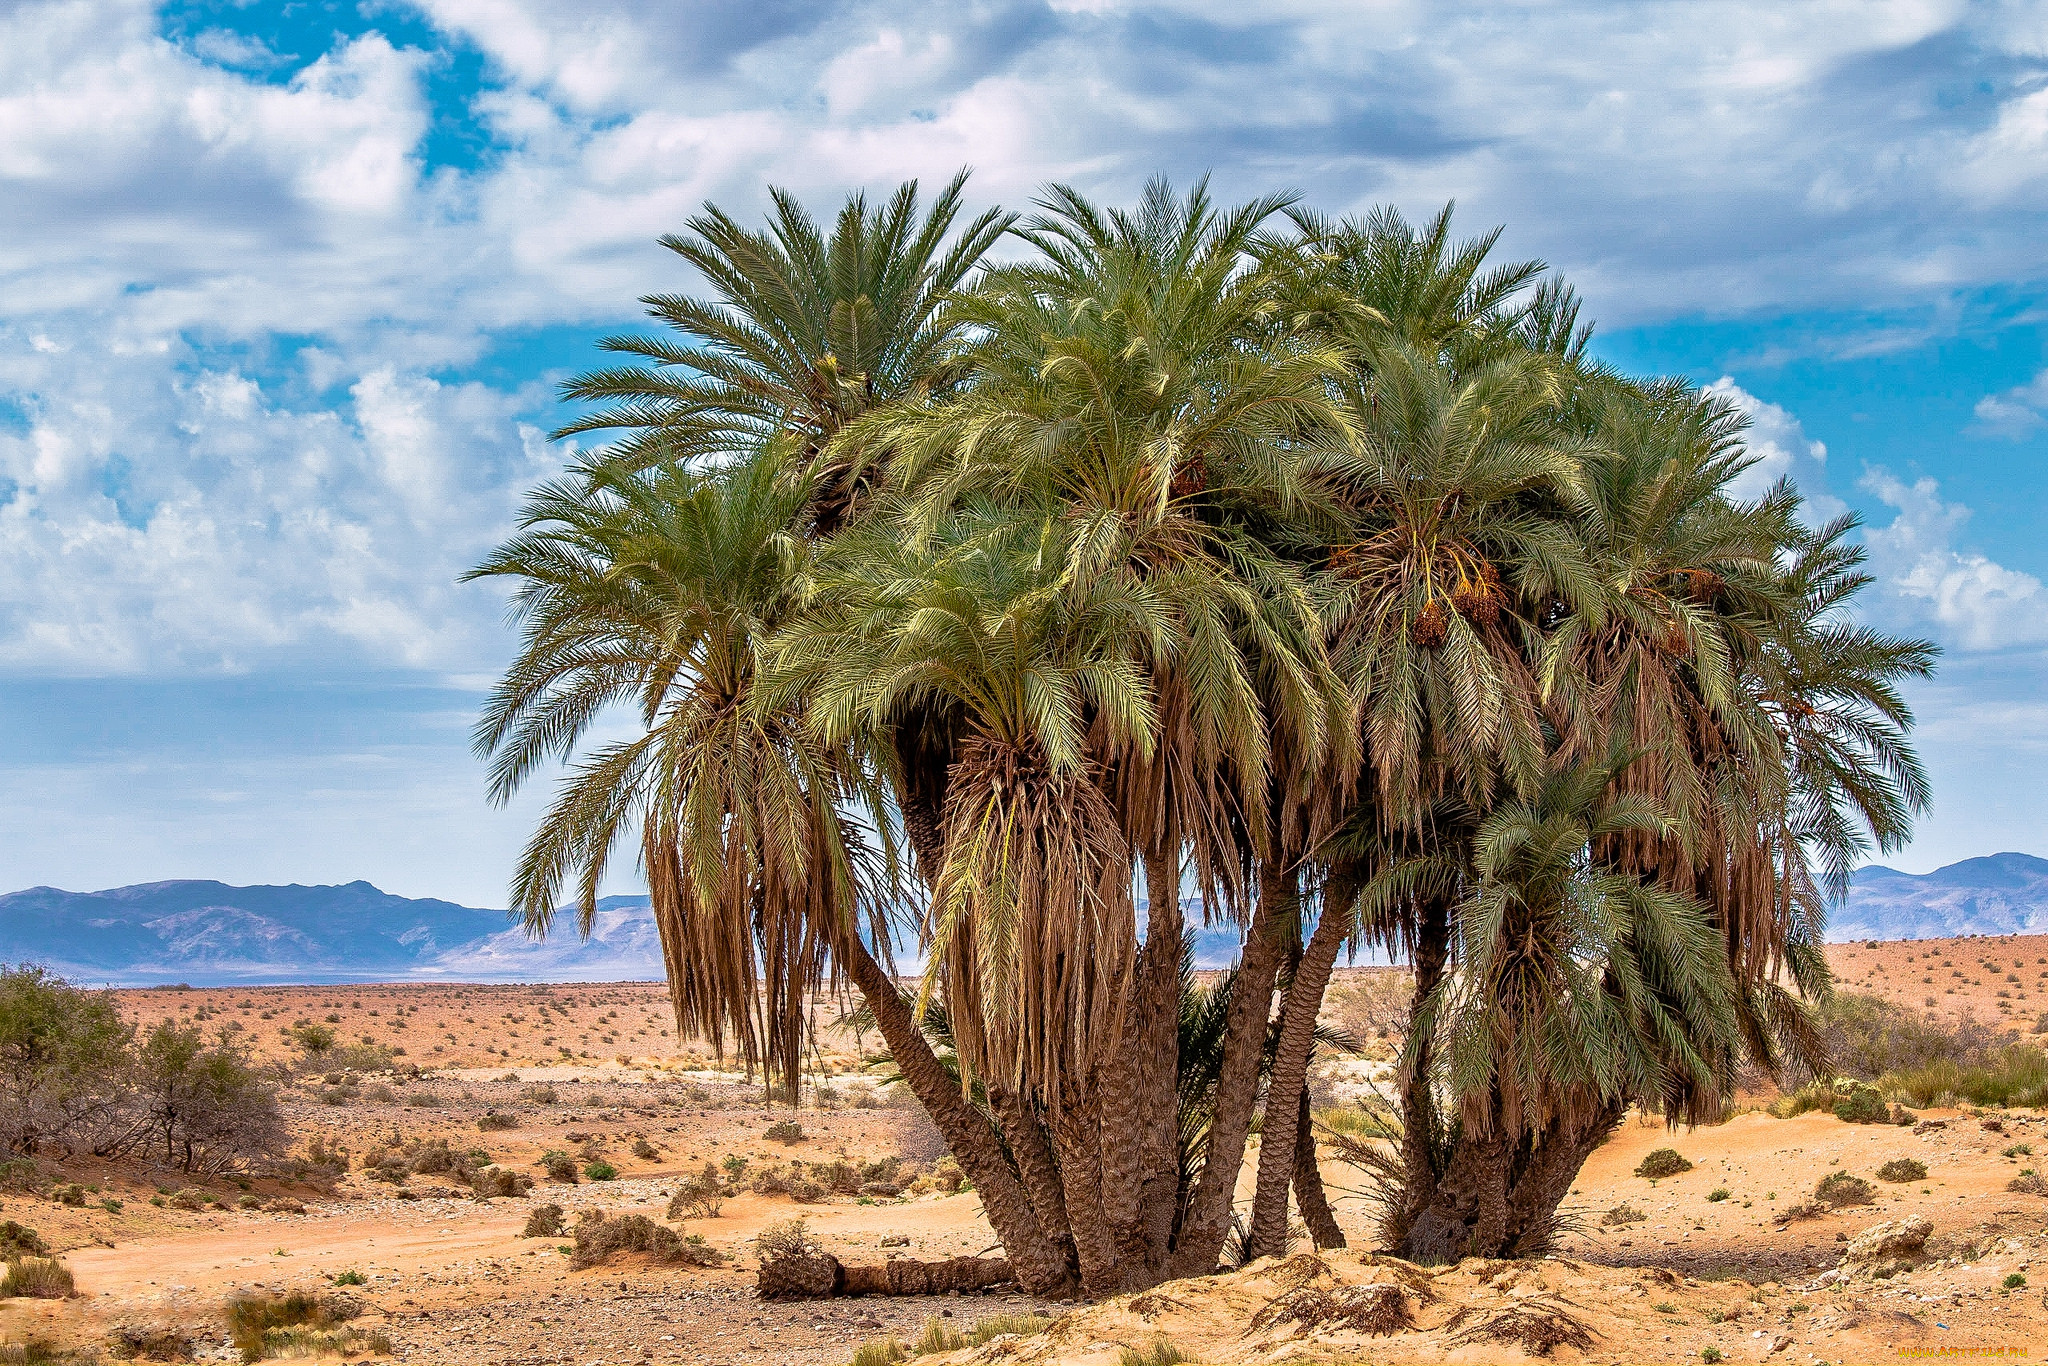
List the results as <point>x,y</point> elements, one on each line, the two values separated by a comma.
<point>1321,567</point>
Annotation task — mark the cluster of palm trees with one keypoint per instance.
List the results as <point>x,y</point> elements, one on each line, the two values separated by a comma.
<point>987,585</point>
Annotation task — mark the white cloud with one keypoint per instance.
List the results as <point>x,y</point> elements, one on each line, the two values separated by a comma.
<point>1780,447</point>
<point>2017,413</point>
<point>157,522</point>
<point>1973,601</point>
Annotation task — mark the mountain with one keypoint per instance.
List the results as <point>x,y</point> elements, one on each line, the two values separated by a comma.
<point>211,933</point>
<point>1996,894</point>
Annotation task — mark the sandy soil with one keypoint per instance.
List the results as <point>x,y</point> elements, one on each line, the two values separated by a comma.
<point>2001,980</point>
<point>451,1279</point>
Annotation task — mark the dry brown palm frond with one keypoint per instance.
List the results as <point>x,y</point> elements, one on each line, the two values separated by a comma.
<point>1034,935</point>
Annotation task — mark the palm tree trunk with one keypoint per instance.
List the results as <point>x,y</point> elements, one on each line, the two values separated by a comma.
<point>1287,1090</point>
<point>1159,1046</point>
<point>1308,1185</point>
<point>1043,1265</point>
<point>1418,1101</point>
<point>1032,1151</point>
<point>1237,1089</point>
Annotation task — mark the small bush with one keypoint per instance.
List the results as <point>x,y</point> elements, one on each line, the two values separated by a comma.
<point>19,1240</point>
<point>1717,1195</point>
<point>191,1198</point>
<point>1622,1215</point>
<point>136,1342</point>
<point>1710,1355</point>
<point>351,1278</point>
<point>598,1238</point>
<point>1863,1106</point>
<point>540,1095</point>
<point>880,1352</point>
<point>20,1174</point>
<point>696,1197</point>
<point>1661,1163</point>
<point>1902,1169</point>
<point>600,1171</point>
<point>1840,1188</point>
<point>491,1120</point>
<point>36,1278</point>
<point>559,1166</point>
<point>2018,1150</point>
<point>644,1150</point>
<point>259,1322</point>
<point>544,1222</point>
<point>2027,1184</point>
<point>2014,1281</point>
<point>70,1193</point>
<point>784,1131</point>
<point>790,1238</point>
<point>495,1182</point>
<point>805,1191</point>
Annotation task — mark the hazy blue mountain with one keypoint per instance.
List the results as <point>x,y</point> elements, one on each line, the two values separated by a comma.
<point>209,932</point>
<point>1996,894</point>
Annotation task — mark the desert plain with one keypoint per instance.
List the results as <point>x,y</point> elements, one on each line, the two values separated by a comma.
<point>1730,1260</point>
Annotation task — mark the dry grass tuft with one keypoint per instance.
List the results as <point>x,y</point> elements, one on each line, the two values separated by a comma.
<point>1360,1308</point>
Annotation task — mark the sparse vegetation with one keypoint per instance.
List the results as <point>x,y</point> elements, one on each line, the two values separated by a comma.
<point>36,1278</point>
<point>600,1237</point>
<point>1160,1353</point>
<point>544,1222</point>
<point>1838,1189</point>
<point>784,1131</point>
<point>1662,1163</point>
<point>1863,1105</point>
<point>1621,1215</point>
<point>1902,1169</point>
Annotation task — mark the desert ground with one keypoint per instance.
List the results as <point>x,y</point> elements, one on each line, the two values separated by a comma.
<point>1653,1270</point>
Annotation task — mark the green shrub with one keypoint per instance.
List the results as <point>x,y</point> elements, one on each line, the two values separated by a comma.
<point>2014,1281</point>
<point>1840,1188</point>
<point>600,1171</point>
<point>1717,1195</point>
<point>2013,1076</point>
<point>1863,1106</point>
<point>36,1278</point>
<point>784,1131</point>
<point>1661,1163</point>
<point>1902,1169</point>
<point>2017,1150</point>
<point>351,1278</point>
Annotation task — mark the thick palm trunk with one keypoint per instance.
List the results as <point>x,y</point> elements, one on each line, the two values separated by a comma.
<point>1287,1089</point>
<point>1237,1089</point>
<point>1043,1265</point>
<point>1499,1192</point>
<point>1309,1195</point>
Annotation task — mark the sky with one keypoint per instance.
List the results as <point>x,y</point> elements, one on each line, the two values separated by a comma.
<point>285,290</point>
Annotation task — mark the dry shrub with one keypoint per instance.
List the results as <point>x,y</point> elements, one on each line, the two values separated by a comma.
<point>697,1197</point>
<point>191,1198</point>
<point>805,1191</point>
<point>1622,1214</point>
<point>19,1240</point>
<point>150,1342</point>
<point>1360,1308</point>
<point>1661,1163</point>
<point>598,1238</point>
<point>36,1278</point>
<point>1840,1188</point>
<point>496,1119</point>
<point>1903,1169</point>
<point>793,1265</point>
<point>784,1131</point>
<point>489,1182</point>
<point>559,1166</point>
<point>880,1352</point>
<point>2027,1184</point>
<point>544,1222</point>
<point>1538,1325</point>
<point>1804,1209</point>
<point>257,1320</point>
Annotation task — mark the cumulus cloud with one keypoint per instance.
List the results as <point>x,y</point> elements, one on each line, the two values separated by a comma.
<point>1972,600</point>
<point>240,289</point>
<point>1779,447</point>
<point>153,519</point>
<point>2017,413</point>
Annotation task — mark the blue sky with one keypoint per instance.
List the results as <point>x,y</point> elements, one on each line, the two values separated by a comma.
<point>284,289</point>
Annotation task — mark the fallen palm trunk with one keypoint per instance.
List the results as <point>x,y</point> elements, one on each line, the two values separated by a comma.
<point>817,1275</point>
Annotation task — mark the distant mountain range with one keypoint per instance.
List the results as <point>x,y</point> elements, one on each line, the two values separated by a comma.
<point>210,933</point>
